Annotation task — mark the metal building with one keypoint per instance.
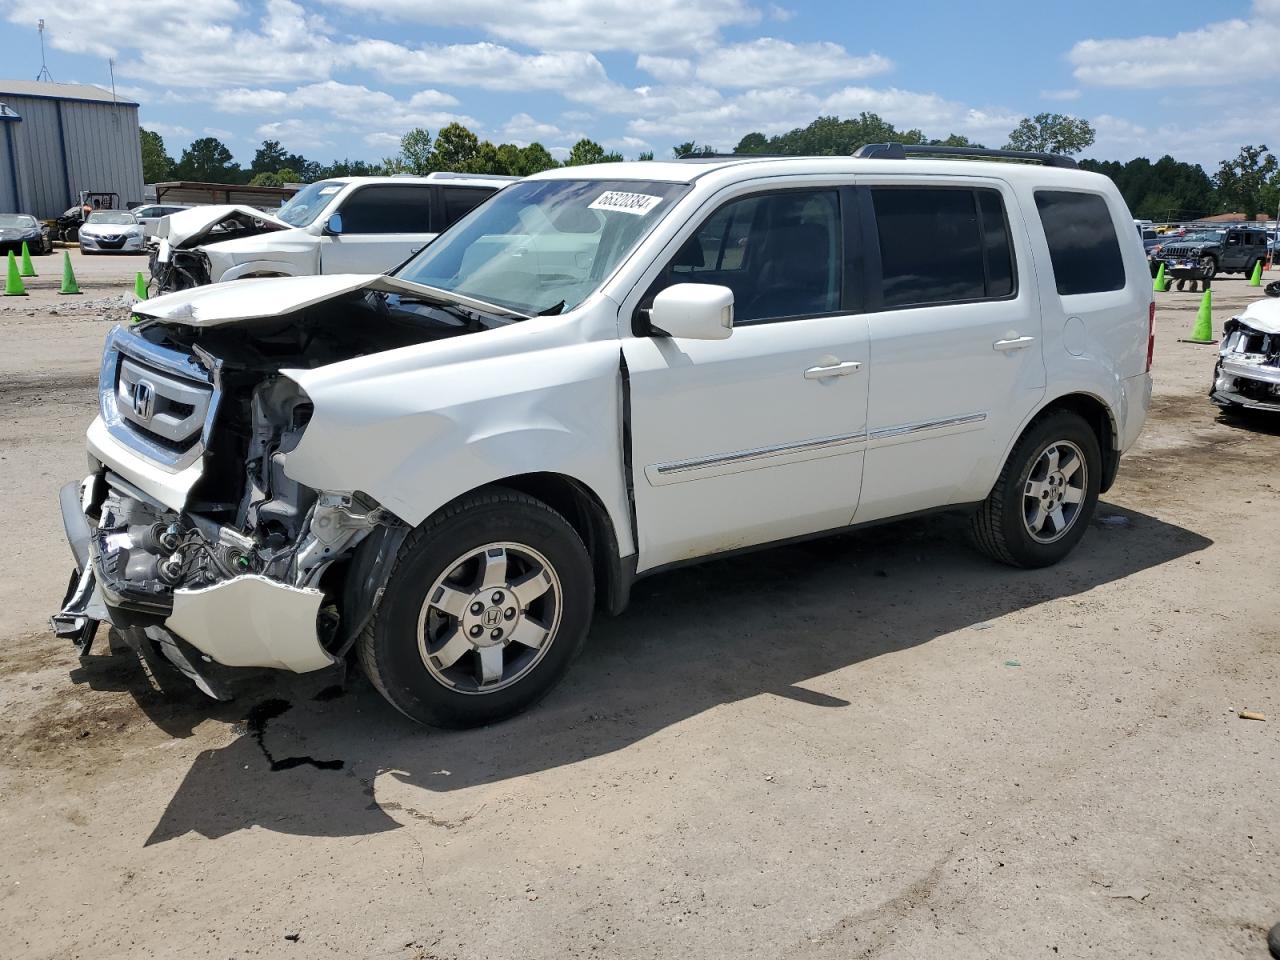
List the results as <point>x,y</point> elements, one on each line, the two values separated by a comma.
<point>57,139</point>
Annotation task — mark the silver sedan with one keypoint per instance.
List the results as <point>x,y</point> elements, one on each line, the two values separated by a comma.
<point>111,231</point>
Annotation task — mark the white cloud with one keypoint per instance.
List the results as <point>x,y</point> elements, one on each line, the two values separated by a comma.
<point>1206,138</point>
<point>102,28</point>
<point>524,129</point>
<point>166,129</point>
<point>383,140</point>
<point>1228,52</point>
<point>353,103</point>
<point>780,13</point>
<point>1060,95</point>
<point>767,61</point>
<point>933,114</point>
<point>654,25</point>
<point>487,65</point>
<point>665,68</point>
<point>222,133</point>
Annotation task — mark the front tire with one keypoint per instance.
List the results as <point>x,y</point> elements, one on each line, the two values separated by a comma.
<point>1045,496</point>
<point>1208,268</point>
<point>486,607</point>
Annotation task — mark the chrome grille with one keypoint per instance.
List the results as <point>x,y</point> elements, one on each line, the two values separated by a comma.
<point>159,402</point>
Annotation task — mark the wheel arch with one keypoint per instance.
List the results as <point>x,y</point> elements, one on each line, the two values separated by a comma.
<point>585,511</point>
<point>1101,419</point>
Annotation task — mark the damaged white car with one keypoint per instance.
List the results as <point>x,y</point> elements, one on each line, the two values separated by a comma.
<point>342,225</point>
<point>601,373</point>
<point>1247,376</point>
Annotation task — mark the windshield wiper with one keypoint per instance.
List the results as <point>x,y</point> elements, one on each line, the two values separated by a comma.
<point>552,311</point>
<point>428,292</point>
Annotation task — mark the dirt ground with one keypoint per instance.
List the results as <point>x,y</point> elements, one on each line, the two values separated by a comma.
<point>880,745</point>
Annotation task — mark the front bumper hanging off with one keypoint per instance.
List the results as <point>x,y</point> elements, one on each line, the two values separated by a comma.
<point>245,621</point>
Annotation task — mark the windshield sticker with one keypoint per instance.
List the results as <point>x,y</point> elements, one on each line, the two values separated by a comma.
<point>634,203</point>
<point>325,191</point>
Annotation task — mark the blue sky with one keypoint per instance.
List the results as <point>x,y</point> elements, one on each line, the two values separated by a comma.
<point>344,78</point>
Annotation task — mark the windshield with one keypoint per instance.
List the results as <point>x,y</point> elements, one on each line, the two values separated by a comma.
<point>1200,238</point>
<point>111,216</point>
<point>543,246</point>
<point>306,204</point>
<point>19,220</point>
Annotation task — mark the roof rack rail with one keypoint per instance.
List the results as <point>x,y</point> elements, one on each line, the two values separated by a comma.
<point>900,151</point>
<point>736,156</point>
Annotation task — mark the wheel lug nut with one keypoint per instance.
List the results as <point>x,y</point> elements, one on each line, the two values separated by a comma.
<point>496,635</point>
<point>510,613</point>
<point>477,630</point>
<point>497,597</point>
<point>477,608</point>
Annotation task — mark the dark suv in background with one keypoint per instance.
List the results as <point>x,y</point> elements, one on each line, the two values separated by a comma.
<point>1205,254</point>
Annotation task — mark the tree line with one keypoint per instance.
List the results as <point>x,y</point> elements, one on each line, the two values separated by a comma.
<point>1167,189</point>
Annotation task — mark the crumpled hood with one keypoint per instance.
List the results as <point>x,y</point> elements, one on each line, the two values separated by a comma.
<point>216,304</point>
<point>186,228</point>
<point>1262,315</point>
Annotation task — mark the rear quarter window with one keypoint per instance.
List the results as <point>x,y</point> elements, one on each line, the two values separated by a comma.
<point>1083,246</point>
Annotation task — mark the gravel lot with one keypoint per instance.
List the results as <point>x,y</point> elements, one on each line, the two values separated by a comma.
<point>879,745</point>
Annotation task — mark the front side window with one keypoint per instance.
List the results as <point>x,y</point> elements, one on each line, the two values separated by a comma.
<point>942,245</point>
<point>1083,246</point>
<point>544,246</point>
<point>387,209</point>
<point>780,254</point>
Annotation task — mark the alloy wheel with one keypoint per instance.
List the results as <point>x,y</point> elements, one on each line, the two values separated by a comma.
<point>1054,491</point>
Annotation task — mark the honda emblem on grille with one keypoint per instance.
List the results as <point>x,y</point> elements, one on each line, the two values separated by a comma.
<point>144,399</point>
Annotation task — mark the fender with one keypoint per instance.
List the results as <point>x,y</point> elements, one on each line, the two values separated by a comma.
<point>414,439</point>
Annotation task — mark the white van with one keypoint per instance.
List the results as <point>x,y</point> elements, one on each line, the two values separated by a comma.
<point>603,372</point>
<point>342,225</point>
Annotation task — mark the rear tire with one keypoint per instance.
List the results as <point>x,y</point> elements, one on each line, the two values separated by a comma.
<point>487,605</point>
<point>1044,497</point>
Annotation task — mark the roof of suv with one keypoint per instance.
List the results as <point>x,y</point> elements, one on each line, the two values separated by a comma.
<point>750,167</point>
<point>437,177</point>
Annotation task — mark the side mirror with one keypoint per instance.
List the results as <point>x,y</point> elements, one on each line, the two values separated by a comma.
<point>695,311</point>
<point>333,226</point>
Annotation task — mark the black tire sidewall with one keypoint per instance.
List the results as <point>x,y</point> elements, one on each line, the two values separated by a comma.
<point>1059,426</point>
<point>407,683</point>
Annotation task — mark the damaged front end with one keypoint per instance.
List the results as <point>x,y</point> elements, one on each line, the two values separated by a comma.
<point>189,535</point>
<point>1248,370</point>
<point>176,259</point>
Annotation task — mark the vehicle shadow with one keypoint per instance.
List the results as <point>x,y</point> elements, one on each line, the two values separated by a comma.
<point>308,752</point>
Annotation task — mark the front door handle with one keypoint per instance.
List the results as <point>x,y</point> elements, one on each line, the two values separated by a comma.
<point>1017,343</point>
<point>832,370</point>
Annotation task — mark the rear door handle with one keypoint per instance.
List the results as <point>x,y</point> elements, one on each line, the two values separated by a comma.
<point>832,370</point>
<point>1017,343</point>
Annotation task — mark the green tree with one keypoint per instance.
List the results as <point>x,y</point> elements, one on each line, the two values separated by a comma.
<point>208,160</point>
<point>346,168</point>
<point>691,149</point>
<point>1245,182</point>
<point>277,179</point>
<point>645,155</point>
<point>588,151</point>
<point>415,152</point>
<point>753,143</point>
<point>157,166</point>
<point>533,159</point>
<point>1165,190</point>
<point>1051,133</point>
<point>268,158</point>
<point>955,140</point>
<point>456,148</point>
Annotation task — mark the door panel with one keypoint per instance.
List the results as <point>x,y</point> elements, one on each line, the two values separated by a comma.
<point>758,437</point>
<point>732,445</point>
<point>950,380</point>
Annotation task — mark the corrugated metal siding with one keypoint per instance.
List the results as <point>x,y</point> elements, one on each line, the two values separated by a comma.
<point>66,146</point>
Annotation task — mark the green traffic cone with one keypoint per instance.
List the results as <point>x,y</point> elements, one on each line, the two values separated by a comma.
<point>1256,279</point>
<point>13,283</point>
<point>69,284</point>
<point>1203,330</point>
<point>1161,285</point>
<point>140,287</point>
<point>27,269</point>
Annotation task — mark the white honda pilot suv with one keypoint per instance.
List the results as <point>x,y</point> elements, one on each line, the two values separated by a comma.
<point>599,373</point>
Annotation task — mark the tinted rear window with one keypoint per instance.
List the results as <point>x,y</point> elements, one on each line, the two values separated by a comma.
<point>1082,242</point>
<point>942,245</point>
